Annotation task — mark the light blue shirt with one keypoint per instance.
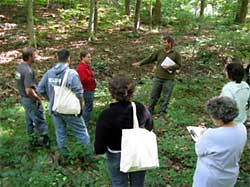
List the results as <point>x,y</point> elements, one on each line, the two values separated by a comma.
<point>53,77</point>
<point>240,92</point>
<point>219,151</point>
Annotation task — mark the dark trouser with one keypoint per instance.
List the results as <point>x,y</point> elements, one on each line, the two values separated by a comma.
<point>88,104</point>
<point>120,179</point>
<point>161,85</point>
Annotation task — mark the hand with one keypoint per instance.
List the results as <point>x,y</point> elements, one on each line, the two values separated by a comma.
<point>203,128</point>
<point>136,64</point>
<point>165,67</point>
<point>38,102</point>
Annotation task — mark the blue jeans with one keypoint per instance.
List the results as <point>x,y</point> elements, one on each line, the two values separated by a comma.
<point>120,179</point>
<point>34,115</point>
<point>76,125</point>
<point>88,104</point>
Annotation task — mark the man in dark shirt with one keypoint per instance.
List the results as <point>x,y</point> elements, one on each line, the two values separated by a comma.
<point>164,74</point>
<point>34,113</point>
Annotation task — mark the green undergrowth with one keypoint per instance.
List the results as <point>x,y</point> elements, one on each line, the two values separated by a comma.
<point>22,167</point>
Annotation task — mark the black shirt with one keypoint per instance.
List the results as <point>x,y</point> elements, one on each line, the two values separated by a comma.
<point>115,118</point>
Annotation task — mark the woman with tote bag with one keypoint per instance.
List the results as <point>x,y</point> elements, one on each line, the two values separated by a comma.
<point>109,128</point>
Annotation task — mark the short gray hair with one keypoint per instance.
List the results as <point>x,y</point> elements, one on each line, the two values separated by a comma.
<point>222,108</point>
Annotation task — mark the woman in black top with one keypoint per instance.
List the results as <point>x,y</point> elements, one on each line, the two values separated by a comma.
<point>109,127</point>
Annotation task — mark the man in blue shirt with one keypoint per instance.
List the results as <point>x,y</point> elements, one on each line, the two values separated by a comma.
<point>53,77</point>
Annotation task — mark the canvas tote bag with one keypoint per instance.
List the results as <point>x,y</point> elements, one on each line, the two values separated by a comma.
<point>138,148</point>
<point>65,101</point>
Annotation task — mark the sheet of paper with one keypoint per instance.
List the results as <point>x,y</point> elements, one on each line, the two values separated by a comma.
<point>168,62</point>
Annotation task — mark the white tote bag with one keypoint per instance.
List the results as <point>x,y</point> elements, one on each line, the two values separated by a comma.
<point>138,148</point>
<point>65,101</point>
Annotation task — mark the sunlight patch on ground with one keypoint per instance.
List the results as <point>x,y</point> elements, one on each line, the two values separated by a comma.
<point>15,55</point>
<point>78,44</point>
<point>8,26</point>
<point>40,58</point>
<point>6,57</point>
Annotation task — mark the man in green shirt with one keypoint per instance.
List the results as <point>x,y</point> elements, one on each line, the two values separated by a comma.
<point>163,80</point>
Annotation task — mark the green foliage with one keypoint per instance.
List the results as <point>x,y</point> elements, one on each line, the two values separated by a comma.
<point>201,78</point>
<point>236,43</point>
<point>184,21</point>
<point>21,167</point>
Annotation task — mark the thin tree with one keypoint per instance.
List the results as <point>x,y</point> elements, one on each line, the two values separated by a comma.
<point>157,12</point>
<point>151,15</point>
<point>137,15</point>
<point>241,11</point>
<point>30,24</point>
<point>127,8</point>
<point>202,7</point>
<point>96,15</point>
<point>92,19</point>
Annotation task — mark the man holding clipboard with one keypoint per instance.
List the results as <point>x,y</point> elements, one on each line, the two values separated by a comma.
<point>167,62</point>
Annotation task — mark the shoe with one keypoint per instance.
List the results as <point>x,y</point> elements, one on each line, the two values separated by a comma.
<point>46,141</point>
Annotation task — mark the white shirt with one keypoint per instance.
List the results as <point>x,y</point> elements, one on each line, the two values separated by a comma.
<point>219,151</point>
<point>240,92</point>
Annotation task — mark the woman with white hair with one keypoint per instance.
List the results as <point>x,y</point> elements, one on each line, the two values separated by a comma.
<point>219,149</point>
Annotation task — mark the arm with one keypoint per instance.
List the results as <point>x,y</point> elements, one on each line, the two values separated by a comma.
<point>144,117</point>
<point>76,86</point>
<point>203,146</point>
<point>82,74</point>
<point>149,122</point>
<point>41,89</point>
<point>177,60</point>
<point>32,94</point>
<point>29,84</point>
<point>152,58</point>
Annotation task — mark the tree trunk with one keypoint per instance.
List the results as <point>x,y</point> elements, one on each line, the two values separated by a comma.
<point>137,15</point>
<point>92,19</point>
<point>96,15</point>
<point>30,20</point>
<point>157,12</point>
<point>241,11</point>
<point>127,8</point>
<point>202,7</point>
<point>151,15</point>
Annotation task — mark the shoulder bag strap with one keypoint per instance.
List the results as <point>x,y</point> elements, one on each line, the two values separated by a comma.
<point>135,120</point>
<point>65,78</point>
<point>63,84</point>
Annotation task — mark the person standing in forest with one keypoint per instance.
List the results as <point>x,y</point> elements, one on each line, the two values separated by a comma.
<point>109,126</point>
<point>34,112</point>
<point>167,61</point>
<point>54,77</point>
<point>237,89</point>
<point>88,84</point>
